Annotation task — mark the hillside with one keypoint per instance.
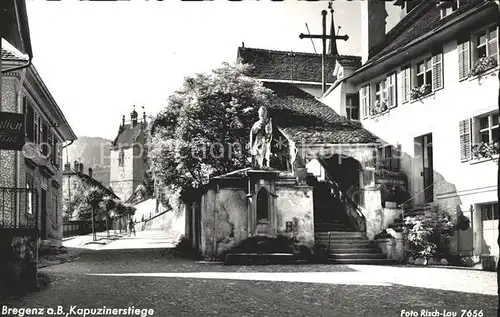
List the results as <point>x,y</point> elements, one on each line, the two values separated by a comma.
<point>92,152</point>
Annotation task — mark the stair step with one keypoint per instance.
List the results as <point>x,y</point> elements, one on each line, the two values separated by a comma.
<point>361,261</point>
<point>327,225</point>
<point>354,250</point>
<point>348,244</point>
<point>341,239</point>
<point>341,233</point>
<point>357,256</point>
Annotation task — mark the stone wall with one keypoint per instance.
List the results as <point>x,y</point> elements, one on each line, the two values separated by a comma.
<point>295,204</point>
<point>393,248</point>
<point>224,220</point>
<point>161,218</point>
<point>224,217</point>
<point>18,271</point>
<point>372,211</point>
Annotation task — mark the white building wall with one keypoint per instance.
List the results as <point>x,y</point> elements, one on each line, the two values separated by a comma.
<point>456,183</point>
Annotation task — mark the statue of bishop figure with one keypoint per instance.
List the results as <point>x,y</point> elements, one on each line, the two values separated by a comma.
<point>261,136</point>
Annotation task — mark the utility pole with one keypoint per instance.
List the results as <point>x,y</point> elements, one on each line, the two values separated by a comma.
<point>324,38</point>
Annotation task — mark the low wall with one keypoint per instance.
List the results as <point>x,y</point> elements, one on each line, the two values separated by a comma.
<point>81,227</point>
<point>172,221</point>
<point>18,270</point>
<point>393,248</point>
<point>389,215</point>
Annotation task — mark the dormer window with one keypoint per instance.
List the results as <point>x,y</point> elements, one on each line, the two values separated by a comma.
<point>448,7</point>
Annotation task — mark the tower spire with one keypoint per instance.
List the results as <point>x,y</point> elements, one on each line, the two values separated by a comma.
<point>332,49</point>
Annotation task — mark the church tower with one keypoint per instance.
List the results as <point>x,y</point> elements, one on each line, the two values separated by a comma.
<point>129,156</point>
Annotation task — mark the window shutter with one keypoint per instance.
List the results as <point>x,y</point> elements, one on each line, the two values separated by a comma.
<point>405,84</point>
<point>365,100</point>
<point>437,71</point>
<point>368,100</point>
<point>463,59</point>
<point>59,153</point>
<point>465,139</point>
<point>26,117</point>
<point>391,91</point>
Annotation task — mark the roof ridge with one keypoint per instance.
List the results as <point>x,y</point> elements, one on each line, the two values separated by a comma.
<point>277,51</point>
<point>295,52</point>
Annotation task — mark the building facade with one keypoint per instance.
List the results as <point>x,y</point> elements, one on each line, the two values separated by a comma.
<point>39,165</point>
<point>129,157</point>
<point>74,181</point>
<point>429,89</point>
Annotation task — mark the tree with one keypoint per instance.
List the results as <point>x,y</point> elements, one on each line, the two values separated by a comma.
<point>204,129</point>
<point>123,210</point>
<point>73,198</point>
<point>107,205</point>
<point>89,208</point>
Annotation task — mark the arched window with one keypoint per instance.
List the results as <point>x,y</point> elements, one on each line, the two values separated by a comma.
<point>262,204</point>
<point>121,158</point>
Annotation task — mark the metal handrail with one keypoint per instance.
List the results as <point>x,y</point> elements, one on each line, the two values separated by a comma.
<point>411,198</point>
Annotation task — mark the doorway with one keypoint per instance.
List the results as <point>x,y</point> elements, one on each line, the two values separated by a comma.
<point>424,166</point>
<point>428,170</point>
<point>43,229</point>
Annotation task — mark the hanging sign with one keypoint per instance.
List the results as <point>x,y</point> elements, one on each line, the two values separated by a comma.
<point>11,131</point>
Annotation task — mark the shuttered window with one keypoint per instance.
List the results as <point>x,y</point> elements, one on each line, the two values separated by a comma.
<point>365,100</point>
<point>463,59</point>
<point>437,71</point>
<point>405,84</point>
<point>391,90</point>
<point>29,119</point>
<point>465,139</point>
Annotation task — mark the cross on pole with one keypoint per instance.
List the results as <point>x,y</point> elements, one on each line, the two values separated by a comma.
<point>324,37</point>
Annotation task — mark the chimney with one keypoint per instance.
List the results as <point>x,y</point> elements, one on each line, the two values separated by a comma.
<point>81,168</point>
<point>123,120</point>
<point>90,172</point>
<point>75,166</point>
<point>373,15</point>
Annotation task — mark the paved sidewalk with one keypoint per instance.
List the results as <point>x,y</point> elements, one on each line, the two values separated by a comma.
<point>86,241</point>
<point>149,239</point>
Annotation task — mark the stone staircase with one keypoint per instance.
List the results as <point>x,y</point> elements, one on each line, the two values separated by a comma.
<point>419,210</point>
<point>339,244</point>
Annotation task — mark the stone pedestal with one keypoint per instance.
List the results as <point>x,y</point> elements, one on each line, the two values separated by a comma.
<point>393,248</point>
<point>262,202</point>
<point>373,212</point>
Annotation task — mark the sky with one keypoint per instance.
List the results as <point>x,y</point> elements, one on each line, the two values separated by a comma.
<point>98,59</point>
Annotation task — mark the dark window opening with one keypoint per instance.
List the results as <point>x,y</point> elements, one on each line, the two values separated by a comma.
<point>262,204</point>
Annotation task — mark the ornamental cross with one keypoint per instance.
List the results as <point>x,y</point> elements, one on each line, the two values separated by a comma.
<point>324,38</point>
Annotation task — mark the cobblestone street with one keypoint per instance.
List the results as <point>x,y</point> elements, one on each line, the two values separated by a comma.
<point>154,278</point>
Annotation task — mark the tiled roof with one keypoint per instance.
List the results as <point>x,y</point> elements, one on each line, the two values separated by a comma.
<point>90,180</point>
<point>349,61</point>
<point>423,19</point>
<point>9,52</point>
<point>281,65</point>
<point>127,134</point>
<point>304,118</point>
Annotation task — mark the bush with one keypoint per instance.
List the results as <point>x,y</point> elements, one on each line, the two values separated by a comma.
<point>429,235</point>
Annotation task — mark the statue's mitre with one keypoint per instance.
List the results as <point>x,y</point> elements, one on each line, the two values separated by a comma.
<point>263,110</point>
